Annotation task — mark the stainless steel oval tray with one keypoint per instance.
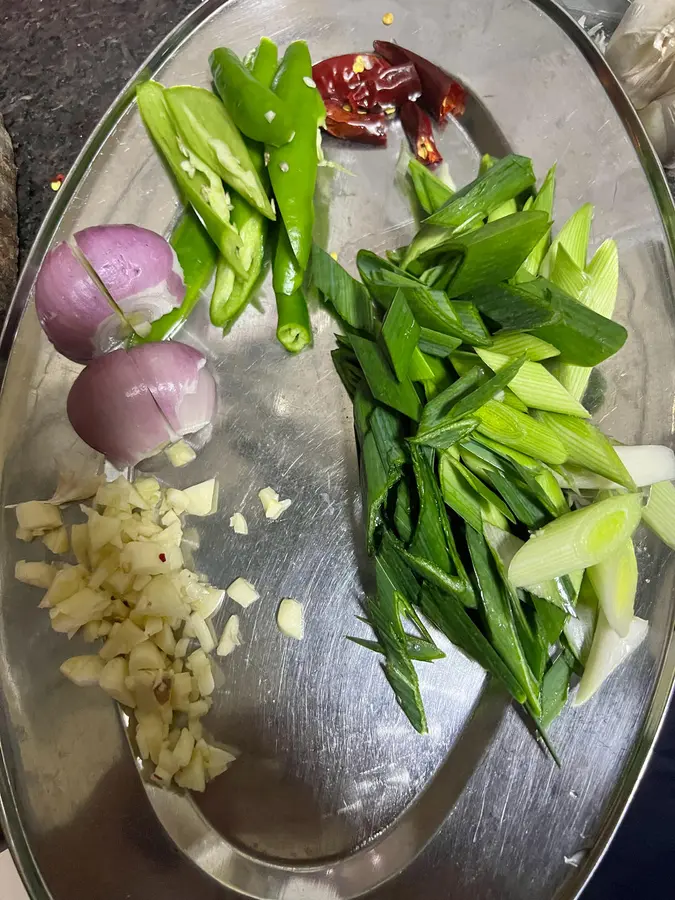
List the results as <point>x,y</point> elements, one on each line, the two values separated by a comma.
<point>334,795</point>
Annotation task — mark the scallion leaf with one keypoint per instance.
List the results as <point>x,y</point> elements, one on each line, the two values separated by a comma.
<point>403,521</point>
<point>576,540</point>
<point>347,295</point>
<point>503,181</point>
<point>435,343</point>
<point>521,432</point>
<point>543,202</point>
<point>448,615</point>
<point>522,344</point>
<point>659,512</point>
<point>600,296</point>
<point>583,337</point>
<point>416,648</point>
<point>436,409</point>
<point>430,191</point>
<point>498,616</point>
<point>384,619</point>
<point>587,446</point>
<point>614,581</point>
<point>477,399</point>
<point>579,629</point>
<point>554,690</point>
<point>445,434</point>
<point>494,252</point>
<point>400,395</point>
<point>535,386</point>
<point>400,333</point>
<point>573,237</point>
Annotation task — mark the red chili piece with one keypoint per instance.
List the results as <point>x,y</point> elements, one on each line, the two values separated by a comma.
<point>162,557</point>
<point>441,95</point>
<point>369,128</point>
<point>417,126</point>
<point>365,81</point>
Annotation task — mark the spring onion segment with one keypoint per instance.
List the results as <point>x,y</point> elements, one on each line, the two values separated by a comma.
<point>576,540</point>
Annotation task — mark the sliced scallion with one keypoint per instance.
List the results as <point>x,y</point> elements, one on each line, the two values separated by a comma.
<point>659,512</point>
<point>503,181</point>
<point>400,395</point>
<point>588,447</point>
<point>573,236</point>
<point>579,629</point>
<point>599,294</point>
<point>400,333</point>
<point>521,432</point>
<point>544,203</point>
<point>535,386</point>
<point>449,616</point>
<point>582,336</point>
<point>435,343</point>
<point>494,252</point>
<point>576,540</point>
<point>499,618</point>
<point>430,191</point>
<point>523,344</point>
<point>614,581</point>
<point>608,651</point>
<point>554,690</point>
<point>347,295</point>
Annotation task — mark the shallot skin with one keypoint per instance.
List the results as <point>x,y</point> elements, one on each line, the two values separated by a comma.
<point>137,267</point>
<point>70,307</point>
<point>129,404</point>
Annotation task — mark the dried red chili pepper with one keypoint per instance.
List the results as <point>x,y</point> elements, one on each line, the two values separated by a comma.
<point>369,128</point>
<point>417,126</point>
<point>366,81</point>
<point>441,95</point>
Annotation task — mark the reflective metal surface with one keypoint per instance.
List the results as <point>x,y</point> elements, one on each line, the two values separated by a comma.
<point>334,795</point>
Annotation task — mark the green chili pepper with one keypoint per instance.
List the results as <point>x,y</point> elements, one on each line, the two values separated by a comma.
<point>264,62</point>
<point>293,327</point>
<point>293,167</point>
<point>208,130</point>
<point>197,255</point>
<point>257,111</point>
<point>200,185</point>
<point>231,294</point>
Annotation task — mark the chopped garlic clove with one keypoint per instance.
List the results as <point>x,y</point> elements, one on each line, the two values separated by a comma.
<point>38,517</point>
<point>202,499</point>
<point>267,495</point>
<point>276,508</point>
<point>112,680</point>
<point>38,574</point>
<point>202,632</point>
<point>271,504</point>
<point>230,638</point>
<point>242,592</point>
<point>180,454</point>
<point>238,523</point>
<point>290,619</point>
<point>192,776</point>
<point>57,540</point>
<point>84,671</point>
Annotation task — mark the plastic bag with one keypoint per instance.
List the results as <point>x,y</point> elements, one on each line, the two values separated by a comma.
<point>642,51</point>
<point>642,54</point>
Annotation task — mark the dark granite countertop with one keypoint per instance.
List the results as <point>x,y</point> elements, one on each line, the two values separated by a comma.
<point>62,62</point>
